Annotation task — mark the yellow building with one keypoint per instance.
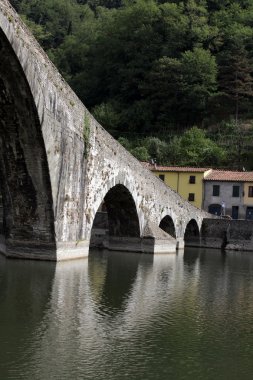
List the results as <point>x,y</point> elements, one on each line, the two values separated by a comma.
<point>248,196</point>
<point>187,181</point>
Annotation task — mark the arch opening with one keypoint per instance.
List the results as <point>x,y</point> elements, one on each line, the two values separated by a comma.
<point>116,223</point>
<point>192,234</point>
<point>27,207</point>
<point>215,209</point>
<point>168,226</point>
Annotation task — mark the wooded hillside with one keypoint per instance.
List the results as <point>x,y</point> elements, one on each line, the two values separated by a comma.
<point>150,71</point>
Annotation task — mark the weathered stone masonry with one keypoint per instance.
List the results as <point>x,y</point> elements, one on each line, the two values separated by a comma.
<point>57,164</point>
<point>236,235</point>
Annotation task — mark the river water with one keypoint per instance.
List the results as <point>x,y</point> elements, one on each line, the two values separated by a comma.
<point>128,316</point>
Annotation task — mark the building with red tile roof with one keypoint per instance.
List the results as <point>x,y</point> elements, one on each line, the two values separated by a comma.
<point>187,181</point>
<point>182,169</point>
<point>227,175</point>
<point>229,193</point>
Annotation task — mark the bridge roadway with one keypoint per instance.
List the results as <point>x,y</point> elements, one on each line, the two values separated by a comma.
<point>57,166</point>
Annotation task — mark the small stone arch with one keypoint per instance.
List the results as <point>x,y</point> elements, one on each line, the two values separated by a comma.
<point>167,224</point>
<point>192,234</point>
<point>117,219</point>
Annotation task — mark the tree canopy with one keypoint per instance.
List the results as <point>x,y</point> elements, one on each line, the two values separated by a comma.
<point>150,68</point>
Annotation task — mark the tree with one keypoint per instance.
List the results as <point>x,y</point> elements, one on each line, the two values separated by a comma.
<point>199,70</point>
<point>179,89</point>
<point>156,148</point>
<point>59,17</point>
<point>39,31</point>
<point>16,4</point>
<point>125,143</point>
<point>141,153</point>
<point>235,76</point>
<point>106,115</point>
<point>174,29</point>
<point>195,149</point>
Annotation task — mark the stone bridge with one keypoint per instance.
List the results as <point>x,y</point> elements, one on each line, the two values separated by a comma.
<point>58,166</point>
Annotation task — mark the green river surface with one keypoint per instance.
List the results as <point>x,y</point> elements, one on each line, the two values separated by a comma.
<point>128,316</point>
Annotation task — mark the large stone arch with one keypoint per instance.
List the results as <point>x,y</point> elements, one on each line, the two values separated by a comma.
<point>117,221</point>
<point>28,218</point>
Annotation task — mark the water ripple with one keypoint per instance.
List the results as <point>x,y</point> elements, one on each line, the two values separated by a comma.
<point>123,315</point>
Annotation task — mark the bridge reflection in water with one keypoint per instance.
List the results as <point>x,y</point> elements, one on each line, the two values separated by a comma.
<point>119,315</point>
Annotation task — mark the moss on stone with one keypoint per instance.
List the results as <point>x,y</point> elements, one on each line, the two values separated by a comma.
<point>86,134</point>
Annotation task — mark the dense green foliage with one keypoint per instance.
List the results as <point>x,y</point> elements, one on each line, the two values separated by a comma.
<point>150,68</point>
<point>192,148</point>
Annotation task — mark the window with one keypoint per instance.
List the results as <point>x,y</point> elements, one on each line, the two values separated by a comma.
<point>216,190</point>
<point>191,197</point>
<point>250,194</point>
<point>236,190</point>
<point>161,176</point>
<point>249,213</point>
<point>192,179</point>
<point>235,212</point>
